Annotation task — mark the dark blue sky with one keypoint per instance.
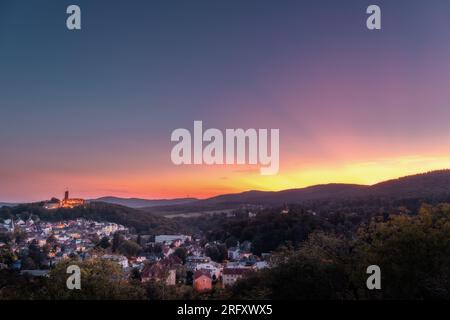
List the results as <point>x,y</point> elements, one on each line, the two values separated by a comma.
<point>101,102</point>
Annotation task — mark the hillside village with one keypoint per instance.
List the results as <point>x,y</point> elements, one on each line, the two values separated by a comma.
<point>36,246</point>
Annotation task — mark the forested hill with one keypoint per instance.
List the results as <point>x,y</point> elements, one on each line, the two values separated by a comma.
<point>435,183</point>
<point>430,187</point>
<point>141,203</point>
<point>98,211</point>
<point>431,184</point>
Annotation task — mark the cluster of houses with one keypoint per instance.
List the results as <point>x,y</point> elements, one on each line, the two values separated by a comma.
<point>66,238</point>
<point>78,238</point>
<point>199,269</point>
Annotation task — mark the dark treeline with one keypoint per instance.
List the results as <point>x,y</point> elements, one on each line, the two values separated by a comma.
<point>412,251</point>
<point>271,228</point>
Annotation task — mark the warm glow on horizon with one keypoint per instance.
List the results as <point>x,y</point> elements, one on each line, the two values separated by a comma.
<point>198,182</point>
<point>366,173</point>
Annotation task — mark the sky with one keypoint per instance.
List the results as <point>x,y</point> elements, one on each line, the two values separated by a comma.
<point>93,110</point>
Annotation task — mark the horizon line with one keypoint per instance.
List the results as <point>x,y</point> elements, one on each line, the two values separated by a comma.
<point>243,191</point>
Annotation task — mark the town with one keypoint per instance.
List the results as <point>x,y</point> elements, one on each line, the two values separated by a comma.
<point>37,246</point>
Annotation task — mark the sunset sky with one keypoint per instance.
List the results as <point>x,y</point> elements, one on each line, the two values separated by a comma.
<point>93,110</point>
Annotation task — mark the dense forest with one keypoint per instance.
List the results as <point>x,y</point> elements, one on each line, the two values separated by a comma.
<point>412,251</point>
<point>271,229</point>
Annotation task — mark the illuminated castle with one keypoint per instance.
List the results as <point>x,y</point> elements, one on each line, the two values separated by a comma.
<point>70,203</point>
<point>65,203</point>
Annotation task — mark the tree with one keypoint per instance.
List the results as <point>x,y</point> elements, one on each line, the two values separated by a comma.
<point>117,241</point>
<point>413,253</point>
<point>21,287</point>
<point>7,256</point>
<point>104,243</point>
<point>34,253</point>
<point>29,264</point>
<point>231,242</point>
<point>129,248</point>
<point>217,253</point>
<point>100,280</point>
<point>19,236</point>
<point>139,240</point>
<point>135,274</point>
<point>181,253</point>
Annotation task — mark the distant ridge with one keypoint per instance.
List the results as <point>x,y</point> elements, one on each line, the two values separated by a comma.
<point>423,184</point>
<point>141,203</point>
<point>6,204</point>
<point>290,195</point>
<point>432,186</point>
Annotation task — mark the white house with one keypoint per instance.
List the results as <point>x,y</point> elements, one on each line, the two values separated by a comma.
<point>121,260</point>
<point>261,265</point>
<point>234,253</point>
<point>231,275</point>
<point>214,269</point>
<point>170,238</point>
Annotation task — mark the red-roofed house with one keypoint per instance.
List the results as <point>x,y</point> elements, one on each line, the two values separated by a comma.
<point>202,280</point>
